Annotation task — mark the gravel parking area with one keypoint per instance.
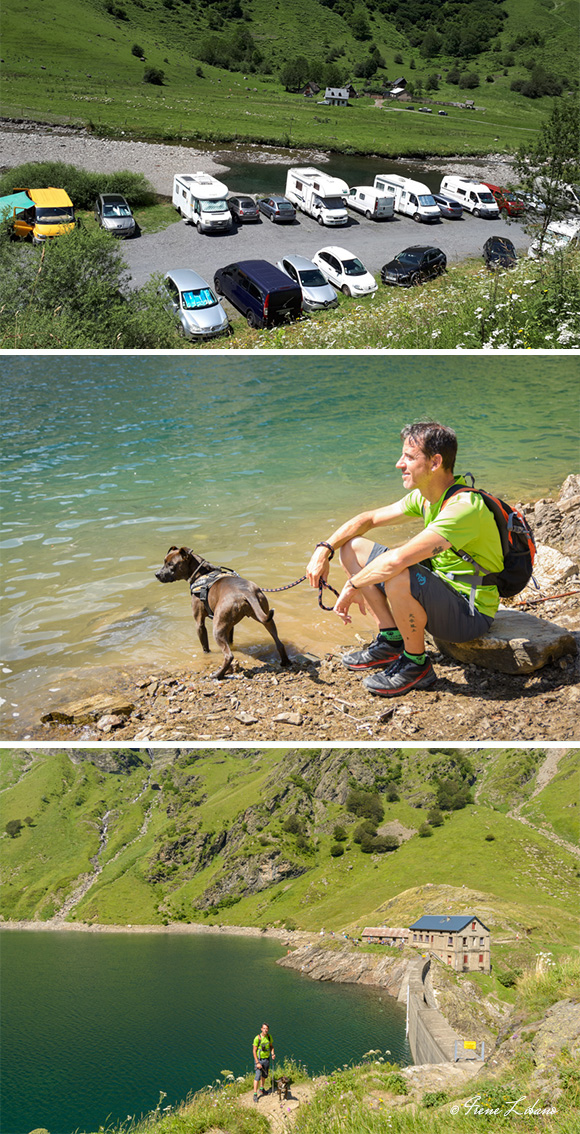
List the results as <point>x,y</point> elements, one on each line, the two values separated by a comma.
<point>375,242</point>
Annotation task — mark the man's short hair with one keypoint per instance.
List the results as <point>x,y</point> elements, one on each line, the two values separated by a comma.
<point>432,438</point>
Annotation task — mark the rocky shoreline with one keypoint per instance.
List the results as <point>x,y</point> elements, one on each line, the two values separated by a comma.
<point>318,700</point>
<point>22,142</point>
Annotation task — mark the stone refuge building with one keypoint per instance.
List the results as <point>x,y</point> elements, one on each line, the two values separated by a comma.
<point>463,942</point>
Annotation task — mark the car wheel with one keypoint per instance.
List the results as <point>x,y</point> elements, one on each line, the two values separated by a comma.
<point>319,219</point>
<point>199,228</point>
<point>477,213</point>
<point>251,319</point>
<point>272,217</point>
<point>415,279</point>
<point>218,287</point>
<point>416,217</point>
<point>346,290</point>
<point>368,214</point>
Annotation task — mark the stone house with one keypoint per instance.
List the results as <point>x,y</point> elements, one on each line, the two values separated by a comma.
<point>310,89</point>
<point>463,942</point>
<point>385,935</point>
<point>336,96</point>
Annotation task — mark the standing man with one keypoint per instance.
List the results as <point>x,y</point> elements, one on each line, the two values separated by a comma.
<point>405,594</point>
<point>262,1049</point>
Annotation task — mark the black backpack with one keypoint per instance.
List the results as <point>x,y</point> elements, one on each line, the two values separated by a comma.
<point>517,544</point>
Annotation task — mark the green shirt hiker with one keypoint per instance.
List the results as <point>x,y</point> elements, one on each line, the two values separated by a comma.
<point>263,1050</point>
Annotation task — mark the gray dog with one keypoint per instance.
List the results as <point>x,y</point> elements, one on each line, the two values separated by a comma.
<point>219,594</point>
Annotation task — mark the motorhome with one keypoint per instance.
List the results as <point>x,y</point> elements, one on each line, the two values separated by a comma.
<point>370,201</point>
<point>202,201</point>
<point>318,195</point>
<point>558,235</point>
<point>49,213</point>
<point>475,197</point>
<point>411,198</point>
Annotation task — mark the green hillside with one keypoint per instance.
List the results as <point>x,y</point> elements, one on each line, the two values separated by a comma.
<point>229,69</point>
<point>293,838</point>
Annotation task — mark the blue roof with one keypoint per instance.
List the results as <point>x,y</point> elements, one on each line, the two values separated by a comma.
<point>452,924</point>
<point>18,201</point>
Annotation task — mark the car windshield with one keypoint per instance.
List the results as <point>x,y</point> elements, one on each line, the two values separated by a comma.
<point>332,202</point>
<point>116,210</point>
<point>312,277</point>
<point>214,206</point>
<point>427,199</point>
<point>354,267</point>
<point>408,257</point>
<point>62,214</point>
<point>202,297</point>
<point>488,198</point>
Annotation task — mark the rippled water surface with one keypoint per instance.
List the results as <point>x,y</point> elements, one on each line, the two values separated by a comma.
<point>108,460</point>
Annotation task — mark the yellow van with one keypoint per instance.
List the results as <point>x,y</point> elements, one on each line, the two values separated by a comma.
<point>51,213</point>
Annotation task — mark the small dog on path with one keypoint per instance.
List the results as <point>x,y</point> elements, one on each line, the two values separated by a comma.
<point>283,1087</point>
<point>220,594</point>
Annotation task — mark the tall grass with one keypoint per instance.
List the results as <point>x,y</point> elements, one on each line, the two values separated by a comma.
<point>548,982</point>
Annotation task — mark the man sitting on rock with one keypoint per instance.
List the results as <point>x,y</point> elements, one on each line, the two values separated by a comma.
<point>406,595</point>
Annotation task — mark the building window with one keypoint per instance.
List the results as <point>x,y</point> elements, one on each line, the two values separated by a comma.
<point>465,958</point>
<point>473,924</point>
<point>464,942</point>
<point>481,958</point>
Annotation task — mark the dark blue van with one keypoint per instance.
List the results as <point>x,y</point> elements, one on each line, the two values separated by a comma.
<point>258,289</point>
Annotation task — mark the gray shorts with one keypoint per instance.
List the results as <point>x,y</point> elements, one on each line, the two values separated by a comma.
<point>448,614</point>
<point>262,1071</point>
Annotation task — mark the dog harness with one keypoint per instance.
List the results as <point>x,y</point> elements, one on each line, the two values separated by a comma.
<point>202,586</point>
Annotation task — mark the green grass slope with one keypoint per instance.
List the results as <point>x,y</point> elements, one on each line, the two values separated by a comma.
<point>248,837</point>
<point>51,73</point>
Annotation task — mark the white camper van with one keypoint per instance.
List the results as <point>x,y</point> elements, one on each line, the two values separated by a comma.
<point>202,201</point>
<point>317,194</point>
<point>370,201</point>
<point>475,197</point>
<point>411,198</point>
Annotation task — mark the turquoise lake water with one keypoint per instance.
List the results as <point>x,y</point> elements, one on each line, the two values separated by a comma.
<point>108,460</point>
<point>96,1026</point>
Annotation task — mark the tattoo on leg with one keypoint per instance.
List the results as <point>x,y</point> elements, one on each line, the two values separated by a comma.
<point>412,622</point>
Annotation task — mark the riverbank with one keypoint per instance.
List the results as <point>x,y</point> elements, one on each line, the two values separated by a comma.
<point>23,142</point>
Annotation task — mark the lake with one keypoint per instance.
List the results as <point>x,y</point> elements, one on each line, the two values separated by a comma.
<point>108,460</point>
<point>95,1026</point>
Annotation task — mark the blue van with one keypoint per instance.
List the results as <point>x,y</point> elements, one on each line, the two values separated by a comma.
<point>258,289</point>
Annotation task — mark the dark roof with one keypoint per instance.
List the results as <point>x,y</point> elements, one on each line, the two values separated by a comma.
<point>268,274</point>
<point>453,924</point>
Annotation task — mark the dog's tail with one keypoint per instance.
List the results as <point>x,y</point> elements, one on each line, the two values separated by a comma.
<point>261,615</point>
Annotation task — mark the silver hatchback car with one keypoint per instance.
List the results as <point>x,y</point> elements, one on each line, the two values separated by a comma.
<point>317,293</point>
<point>113,213</point>
<point>195,304</point>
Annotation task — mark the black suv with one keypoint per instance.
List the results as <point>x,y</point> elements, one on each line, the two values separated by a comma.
<point>414,265</point>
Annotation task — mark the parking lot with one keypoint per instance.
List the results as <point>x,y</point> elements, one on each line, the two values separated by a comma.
<point>374,242</point>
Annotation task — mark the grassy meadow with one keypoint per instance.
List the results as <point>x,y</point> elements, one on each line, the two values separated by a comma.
<point>162,858</point>
<point>52,74</point>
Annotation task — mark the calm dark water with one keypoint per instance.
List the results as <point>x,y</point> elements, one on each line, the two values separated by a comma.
<point>250,460</point>
<point>270,177</point>
<point>96,1026</point>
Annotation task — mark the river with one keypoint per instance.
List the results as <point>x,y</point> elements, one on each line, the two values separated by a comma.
<point>109,460</point>
<point>96,1026</point>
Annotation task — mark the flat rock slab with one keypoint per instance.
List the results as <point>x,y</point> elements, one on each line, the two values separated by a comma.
<point>516,643</point>
<point>89,709</point>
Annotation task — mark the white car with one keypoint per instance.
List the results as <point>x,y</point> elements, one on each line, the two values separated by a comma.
<point>558,235</point>
<point>345,271</point>
<point>194,303</point>
<point>317,294</point>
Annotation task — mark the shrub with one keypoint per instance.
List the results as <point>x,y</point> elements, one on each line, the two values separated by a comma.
<point>507,979</point>
<point>138,51</point>
<point>14,827</point>
<point>469,81</point>
<point>425,831</point>
<point>364,829</point>
<point>365,804</point>
<point>339,834</point>
<point>434,1098</point>
<point>435,817</point>
<point>81,185</point>
<point>490,838</point>
<point>293,825</point>
<point>336,850</point>
<point>154,75</point>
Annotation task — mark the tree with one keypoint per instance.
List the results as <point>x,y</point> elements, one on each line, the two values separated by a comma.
<point>14,827</point>
<point>359,24</point>
<point>431,44</point>
<point>295,73</point>
<point>138,51</point>
<point>552,160</point>
<point>154,75</point>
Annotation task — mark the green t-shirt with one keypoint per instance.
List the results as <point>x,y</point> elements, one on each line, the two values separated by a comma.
<point>467,523</point>
<point>263,1045</point>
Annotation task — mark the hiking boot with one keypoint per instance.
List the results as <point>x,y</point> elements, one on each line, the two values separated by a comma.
<point>378,653</point>
<point>255,1098</point>
<point>401,677</point>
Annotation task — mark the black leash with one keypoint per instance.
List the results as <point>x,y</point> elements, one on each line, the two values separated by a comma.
<point>321,585</point>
